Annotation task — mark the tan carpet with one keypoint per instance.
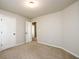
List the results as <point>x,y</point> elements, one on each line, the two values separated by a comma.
<point>34,50</point>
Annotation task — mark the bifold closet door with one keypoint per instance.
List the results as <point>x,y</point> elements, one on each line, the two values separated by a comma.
<point>8,32</point>
<point>0,32</point>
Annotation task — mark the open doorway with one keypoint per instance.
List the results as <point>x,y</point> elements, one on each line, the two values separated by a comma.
<point>34,32</point>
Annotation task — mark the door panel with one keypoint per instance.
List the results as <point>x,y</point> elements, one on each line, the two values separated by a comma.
<point>28,31</point>
<point>0,33</point>
<point>8,32</point>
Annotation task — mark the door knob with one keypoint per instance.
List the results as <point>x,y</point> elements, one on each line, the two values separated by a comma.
<point>1,32</point>
<point>14,33</point>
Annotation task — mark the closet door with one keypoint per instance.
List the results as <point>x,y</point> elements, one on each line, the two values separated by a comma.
<point>8,32</point>
<point>0,40</point>
<point>0,33</point>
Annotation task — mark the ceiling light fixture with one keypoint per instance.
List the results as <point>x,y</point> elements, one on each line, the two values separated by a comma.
<point>31,3</point>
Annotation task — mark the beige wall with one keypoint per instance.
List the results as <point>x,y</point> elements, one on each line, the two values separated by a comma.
<point>60,29</point>
<point>49,28</point>
<point>71,28</point>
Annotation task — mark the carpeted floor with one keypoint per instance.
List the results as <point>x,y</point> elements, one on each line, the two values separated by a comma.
<point>35,50</point>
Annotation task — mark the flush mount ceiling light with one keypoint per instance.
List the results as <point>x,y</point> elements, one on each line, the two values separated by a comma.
<point>31,3</point>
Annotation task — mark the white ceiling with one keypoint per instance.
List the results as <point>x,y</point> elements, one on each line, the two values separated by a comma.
<point>45,7</point>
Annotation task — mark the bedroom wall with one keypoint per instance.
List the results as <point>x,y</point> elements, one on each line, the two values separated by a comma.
<point>71,28</point>
<point>60,29</point>
<point>50,28</point>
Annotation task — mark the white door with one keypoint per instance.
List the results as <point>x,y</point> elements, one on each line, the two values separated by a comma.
<point>0,33</point>
<point>8,32</point>
<point>28,31</point>
<point>0,40</point>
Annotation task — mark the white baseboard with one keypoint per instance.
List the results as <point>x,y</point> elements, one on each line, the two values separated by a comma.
<point>20,43</point>
<point>28,40</point>
<point>13,46</point>
<point>60,48</point>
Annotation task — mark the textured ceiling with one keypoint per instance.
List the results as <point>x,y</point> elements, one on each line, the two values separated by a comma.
<point>44,7</point>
